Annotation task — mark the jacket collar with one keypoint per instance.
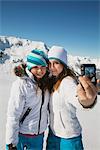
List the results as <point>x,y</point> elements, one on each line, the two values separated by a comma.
<point>30,75</point>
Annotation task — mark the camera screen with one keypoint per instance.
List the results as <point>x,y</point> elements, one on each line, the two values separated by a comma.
<point>89,71</point>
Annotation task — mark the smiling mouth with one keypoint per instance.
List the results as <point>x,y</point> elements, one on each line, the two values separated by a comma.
<point>39,74</point>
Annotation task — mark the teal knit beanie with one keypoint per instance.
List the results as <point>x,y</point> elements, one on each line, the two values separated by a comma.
<point>36,58</point>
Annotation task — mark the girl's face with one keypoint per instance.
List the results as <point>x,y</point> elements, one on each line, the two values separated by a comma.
<point>55,67</point>
<point>38,71</point>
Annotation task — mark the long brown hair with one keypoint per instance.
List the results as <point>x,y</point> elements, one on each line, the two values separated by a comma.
<point>44,82</point>
<point>55,82</point>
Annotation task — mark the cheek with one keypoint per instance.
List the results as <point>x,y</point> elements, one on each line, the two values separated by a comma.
<point>33,71</point>
<point>60,69</point>
<point>44,71</point>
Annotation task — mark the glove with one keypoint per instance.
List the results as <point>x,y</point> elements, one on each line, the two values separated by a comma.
<point>12,147</point>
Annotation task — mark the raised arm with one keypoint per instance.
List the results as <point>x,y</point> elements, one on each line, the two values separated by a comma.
<point>86,92</point>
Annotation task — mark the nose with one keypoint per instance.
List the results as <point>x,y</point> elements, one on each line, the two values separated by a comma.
<point>39,70</point>
<point>51,66</point>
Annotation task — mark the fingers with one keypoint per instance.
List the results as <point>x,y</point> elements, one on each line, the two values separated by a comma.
<point>87,84</point>
<point>86,88</point>
<point>81,93</point>
<point>98,80</point>
<point>98,86</point>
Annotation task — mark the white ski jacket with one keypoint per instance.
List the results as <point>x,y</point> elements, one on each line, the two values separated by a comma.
<point>63,104</point>
<point>25,94</point>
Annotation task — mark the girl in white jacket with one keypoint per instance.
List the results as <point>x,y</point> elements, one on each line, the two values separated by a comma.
<point>27,107</point>
<point>65,129</point>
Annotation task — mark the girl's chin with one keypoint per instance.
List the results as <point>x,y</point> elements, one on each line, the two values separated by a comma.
<point>54,74</point>
<point>39,76</point>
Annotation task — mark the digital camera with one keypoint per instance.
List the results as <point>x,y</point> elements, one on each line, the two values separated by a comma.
<point>89,70</point>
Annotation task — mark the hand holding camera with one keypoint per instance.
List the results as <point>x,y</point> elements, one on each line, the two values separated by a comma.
<point>87,90</point>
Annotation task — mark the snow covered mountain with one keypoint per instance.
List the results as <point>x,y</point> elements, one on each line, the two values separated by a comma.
<point>13,51</point>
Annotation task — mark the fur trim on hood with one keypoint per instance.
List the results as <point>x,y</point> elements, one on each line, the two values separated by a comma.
<point>20,70</point>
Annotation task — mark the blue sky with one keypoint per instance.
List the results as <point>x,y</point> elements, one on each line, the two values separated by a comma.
<point>71,24</point>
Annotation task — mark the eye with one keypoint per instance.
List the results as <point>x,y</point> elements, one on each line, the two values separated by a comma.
<point>43,68</point>
<point>56,62</point>
<point>35,67</point>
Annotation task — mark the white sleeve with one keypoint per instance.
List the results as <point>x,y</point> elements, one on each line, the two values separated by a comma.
<point>15,108</point>
<point>69,90</point>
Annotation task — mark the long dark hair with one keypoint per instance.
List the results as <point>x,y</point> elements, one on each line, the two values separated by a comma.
<point>55,81</point>
<point>43,83</point>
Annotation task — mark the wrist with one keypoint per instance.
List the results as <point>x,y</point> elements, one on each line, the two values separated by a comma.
<point>91,105</point>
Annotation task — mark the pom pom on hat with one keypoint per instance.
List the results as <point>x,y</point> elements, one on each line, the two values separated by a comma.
<point>36,58</point>
<point>58,53</point>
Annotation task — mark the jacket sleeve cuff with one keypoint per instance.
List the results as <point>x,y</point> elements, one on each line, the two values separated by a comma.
<point>92,105</point>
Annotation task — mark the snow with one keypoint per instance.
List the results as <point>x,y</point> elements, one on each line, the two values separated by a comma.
<point>16,49</point>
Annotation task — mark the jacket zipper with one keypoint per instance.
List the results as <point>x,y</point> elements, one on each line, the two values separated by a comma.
<point>41,111</point>
<point>61,120</point>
